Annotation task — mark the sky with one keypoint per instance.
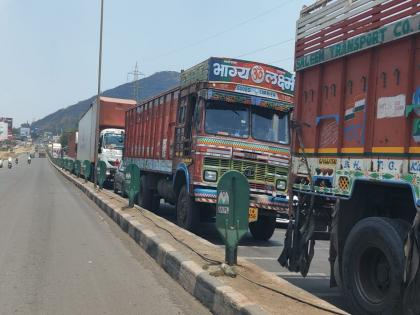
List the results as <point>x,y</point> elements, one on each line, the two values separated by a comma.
<point>49,48</point>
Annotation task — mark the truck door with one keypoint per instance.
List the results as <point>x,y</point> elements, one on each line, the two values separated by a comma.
<point>183,130</point>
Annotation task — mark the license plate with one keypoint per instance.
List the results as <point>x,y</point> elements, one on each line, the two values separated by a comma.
<point>252,214</point>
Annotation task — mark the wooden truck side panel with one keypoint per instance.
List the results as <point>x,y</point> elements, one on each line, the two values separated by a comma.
<point>150,129</point>
<point>354,116</point>
<point>393,83</point>
<point>357,104</point>
<point>372,122</point>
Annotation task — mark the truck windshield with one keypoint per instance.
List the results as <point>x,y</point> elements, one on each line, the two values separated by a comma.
<point>228,119</point>
<point>269,125</point>
<point>113,141</point>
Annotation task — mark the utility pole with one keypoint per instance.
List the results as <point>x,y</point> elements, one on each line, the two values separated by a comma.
<point>136,83</point>
<point>98,98</point>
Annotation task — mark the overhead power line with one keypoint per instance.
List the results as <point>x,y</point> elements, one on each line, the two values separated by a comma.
<point>229,29</point>
<point>266,47</point>
<point>281,60</point>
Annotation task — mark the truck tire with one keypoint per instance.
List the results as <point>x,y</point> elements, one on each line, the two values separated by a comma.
<point>263,229</point>
<point>373,266</point>
<point>145,198</point>
<point>187,215</point>
<point>115,187</point>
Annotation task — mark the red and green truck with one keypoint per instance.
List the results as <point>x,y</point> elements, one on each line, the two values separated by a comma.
<point>356,153</point>
<point>227,114</point>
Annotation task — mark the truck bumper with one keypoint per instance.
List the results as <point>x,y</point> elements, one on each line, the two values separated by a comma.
<point>278,203</point>
<point>110,173</point>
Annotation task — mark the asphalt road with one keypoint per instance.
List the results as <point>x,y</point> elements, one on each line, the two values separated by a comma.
<point>60,255</point>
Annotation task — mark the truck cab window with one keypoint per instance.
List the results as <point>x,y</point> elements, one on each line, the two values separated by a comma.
<point>228,119</point>
<point>270,125</point>
<point>113,141</point>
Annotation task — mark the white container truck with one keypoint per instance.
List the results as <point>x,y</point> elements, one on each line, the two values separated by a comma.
<point>111,132</point>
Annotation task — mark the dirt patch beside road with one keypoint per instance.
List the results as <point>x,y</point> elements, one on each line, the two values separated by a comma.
<point>4,155</point>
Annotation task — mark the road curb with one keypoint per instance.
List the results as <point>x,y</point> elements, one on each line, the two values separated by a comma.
<point>212,293</point>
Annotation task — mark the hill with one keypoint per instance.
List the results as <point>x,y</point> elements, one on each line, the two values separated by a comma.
<point>67,118</point>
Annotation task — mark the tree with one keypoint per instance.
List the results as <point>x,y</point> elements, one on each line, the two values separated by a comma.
<point>64,139</point>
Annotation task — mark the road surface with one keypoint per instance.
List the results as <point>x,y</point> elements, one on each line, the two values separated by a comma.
<point>60,255</point>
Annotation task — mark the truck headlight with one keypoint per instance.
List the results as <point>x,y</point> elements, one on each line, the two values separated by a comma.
<point>108,172</point>
<point>281,184</point>
<point>210,176</point>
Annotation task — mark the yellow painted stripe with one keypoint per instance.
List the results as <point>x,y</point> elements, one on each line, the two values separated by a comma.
<point>327,150</point>
<point>388,149</point>
<point>414,150</point>
<point>360,150</point>
<point>352,150</point>
<point>308,150</point>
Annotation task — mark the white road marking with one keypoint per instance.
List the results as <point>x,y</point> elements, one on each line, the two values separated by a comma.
<point>258,258</point>
<point>327,294</point>
<point>298,275</point>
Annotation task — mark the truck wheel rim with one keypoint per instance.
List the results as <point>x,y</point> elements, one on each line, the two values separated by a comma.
<point>373,275</point>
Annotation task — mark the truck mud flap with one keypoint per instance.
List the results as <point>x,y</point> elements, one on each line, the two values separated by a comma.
<point>298,249</point>
<point>412,270</point>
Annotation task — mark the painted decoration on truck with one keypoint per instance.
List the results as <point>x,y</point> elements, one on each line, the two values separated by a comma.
<point>350,169</point>
<point>242,145</point>
<point>415,106</point>
<point>416,130</point>
<point>367,40</point>
<point>414,167</point>
<point>247,99</point>
<point>358,107</point>
<point>390,107</point>
<point>251,74</point>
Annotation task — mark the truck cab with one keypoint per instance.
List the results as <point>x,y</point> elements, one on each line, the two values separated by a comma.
<point>231,133</point>
<point>111,144</point>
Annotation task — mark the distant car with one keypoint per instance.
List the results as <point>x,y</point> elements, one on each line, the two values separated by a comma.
<point>119,180</point>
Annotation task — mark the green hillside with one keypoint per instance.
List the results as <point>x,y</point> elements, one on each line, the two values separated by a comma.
<point>67,118</point>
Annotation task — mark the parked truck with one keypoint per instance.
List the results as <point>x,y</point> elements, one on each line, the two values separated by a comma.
<point>227,114</point>
<point>111,132</point>
<point>56,150</point>
<point>356,152</point>
<point>72,141</point>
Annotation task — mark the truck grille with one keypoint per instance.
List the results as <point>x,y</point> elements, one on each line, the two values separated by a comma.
<point>258,172</point>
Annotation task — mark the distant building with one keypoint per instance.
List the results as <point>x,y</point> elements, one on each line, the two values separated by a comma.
<point>9,122</point>
<point>4,131</point>
<point>25,132</point>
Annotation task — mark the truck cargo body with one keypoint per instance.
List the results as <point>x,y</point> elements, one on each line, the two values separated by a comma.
<point>111,132</point>
<point>356,151</point>
<point>219,119</point>
<point>72,145</point>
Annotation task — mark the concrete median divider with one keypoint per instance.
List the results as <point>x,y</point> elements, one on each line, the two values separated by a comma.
<point>194,263</point>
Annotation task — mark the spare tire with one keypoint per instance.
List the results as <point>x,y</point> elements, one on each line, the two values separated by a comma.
<point>373,265</point>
